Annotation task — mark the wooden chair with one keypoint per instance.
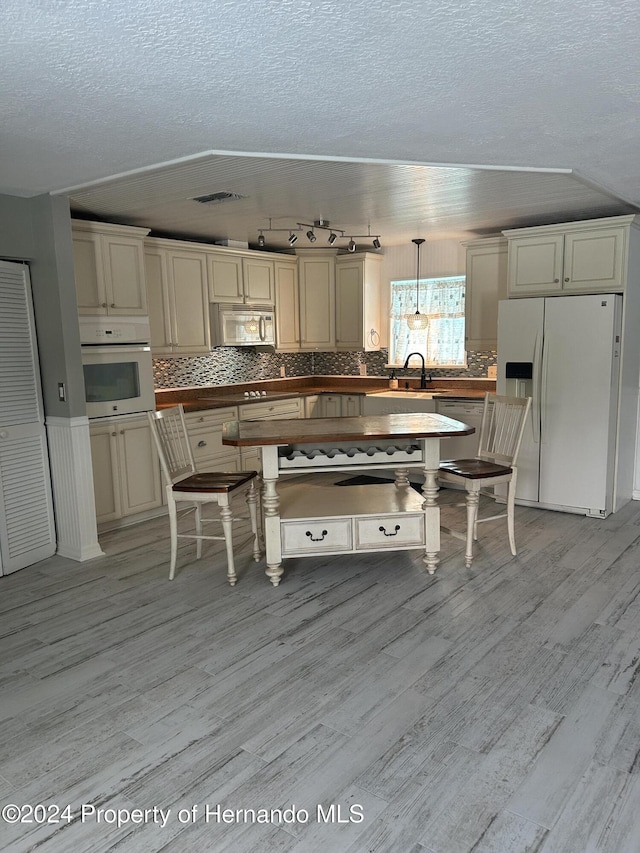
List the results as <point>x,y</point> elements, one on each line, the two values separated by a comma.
<point>503,422</point>
<point>185,485</point>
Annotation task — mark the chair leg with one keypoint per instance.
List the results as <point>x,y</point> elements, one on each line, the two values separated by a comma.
<point>198,519</point>
<point>511,501</point>
<point>173,530</point>
<point>226,516</point>
<point>473,499</point>
<point>252,503</point>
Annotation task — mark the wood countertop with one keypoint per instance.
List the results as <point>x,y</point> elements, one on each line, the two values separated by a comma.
<point>364,428</point>
<point>222,396</point>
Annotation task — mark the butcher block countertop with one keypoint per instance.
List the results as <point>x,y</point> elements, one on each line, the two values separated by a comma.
<point>221,396</point>
<point>364,428</point>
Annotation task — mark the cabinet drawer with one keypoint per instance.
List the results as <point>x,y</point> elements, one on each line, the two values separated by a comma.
<point>211,417</point>
<point>275,409</point>
<point>310,536</point>
<point>390,531</point>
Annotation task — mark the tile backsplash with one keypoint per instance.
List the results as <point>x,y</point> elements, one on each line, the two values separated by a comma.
<point>227,365</point>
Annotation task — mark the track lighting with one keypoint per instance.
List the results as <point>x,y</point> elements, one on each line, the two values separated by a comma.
<point>310,229</point>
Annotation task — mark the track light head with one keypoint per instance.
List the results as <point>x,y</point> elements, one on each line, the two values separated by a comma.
<point>332,238</point>
<point>311,237</point>
<point>292,238</point>
<point>376,243</point>
<point>352,246</point>
<point>261,240</point>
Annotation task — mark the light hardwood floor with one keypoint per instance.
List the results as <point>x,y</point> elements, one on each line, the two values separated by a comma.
<point>494,709</point>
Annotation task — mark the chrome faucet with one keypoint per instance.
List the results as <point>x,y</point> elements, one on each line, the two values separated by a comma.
<point>423,371</point>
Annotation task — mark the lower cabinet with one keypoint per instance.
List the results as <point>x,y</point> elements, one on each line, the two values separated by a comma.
<point>273,410</point>
<point>340,406</point>
<point>205,435</point>
<point>126,470</point>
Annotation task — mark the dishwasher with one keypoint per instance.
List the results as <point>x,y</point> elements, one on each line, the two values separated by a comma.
<point>469,412</point>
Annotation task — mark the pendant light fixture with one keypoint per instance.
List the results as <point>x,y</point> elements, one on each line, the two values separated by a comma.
<point>417,321</point>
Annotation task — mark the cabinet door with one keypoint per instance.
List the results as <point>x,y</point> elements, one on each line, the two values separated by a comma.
<point>123,263</point>
<point>358,302</point>
<point>189,301</point>
<point>313,406</point>
<point>225,278</point>
<point>349,318</point>
<point>258,281</point>
<point>158,300</point>
<point>331,406</point>
<point>139,468</point>
<point>287,307</point>
<point>351,406</point>
<point>486,285</point>
<point>89,274</point>
<point>106,472</point>
<point>317,303</point>
<point>536,265</point>
<point>594,260</point>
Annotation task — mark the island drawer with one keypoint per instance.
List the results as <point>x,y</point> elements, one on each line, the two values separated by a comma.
<point>316,535</point>
<point>390,531</point>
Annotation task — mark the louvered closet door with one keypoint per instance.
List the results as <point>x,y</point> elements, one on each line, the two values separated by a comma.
<point>27,532</point>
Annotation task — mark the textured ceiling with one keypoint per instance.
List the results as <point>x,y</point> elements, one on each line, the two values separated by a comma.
<point>93,90</point>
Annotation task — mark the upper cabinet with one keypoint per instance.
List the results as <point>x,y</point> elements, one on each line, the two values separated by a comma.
<point>108,265</point>
<point>486,284</point>
<point>574,257</point>
<point>317,284</point>
<point>287,306</point>
<point>178,295</point>
<point>358,301</point>
<point>234,278</point>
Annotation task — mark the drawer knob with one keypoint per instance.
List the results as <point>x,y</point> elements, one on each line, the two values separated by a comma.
<point>202,444</point>
<point>395,530</point>
<point>316,538</point>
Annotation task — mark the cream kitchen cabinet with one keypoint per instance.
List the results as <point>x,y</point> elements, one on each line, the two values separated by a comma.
<point>126,470</point>
<point>358,301</point>
<point>108,268</point>
<point>317,286</point>
<point>205,437</point>
<point>573,257</point>
<point>287,306</point>
<point>313,406</point>
<point>269,410</point>
<point>486,284</point>
<point>178,297</point>
<point>340,405</point>
<point>237,278</point>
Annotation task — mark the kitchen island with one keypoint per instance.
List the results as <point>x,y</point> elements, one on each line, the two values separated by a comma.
<point>311,520</point>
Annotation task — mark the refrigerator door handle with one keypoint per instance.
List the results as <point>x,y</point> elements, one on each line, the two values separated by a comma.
<point>536,407</point>
<point>543,388</point>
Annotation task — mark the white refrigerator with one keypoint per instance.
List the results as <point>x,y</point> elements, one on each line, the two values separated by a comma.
<point>565,352</point>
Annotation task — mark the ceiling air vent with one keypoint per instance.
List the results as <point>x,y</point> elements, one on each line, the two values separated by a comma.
<point>218,198</point>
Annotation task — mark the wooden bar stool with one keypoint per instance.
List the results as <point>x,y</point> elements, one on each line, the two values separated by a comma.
<point>185,485</point>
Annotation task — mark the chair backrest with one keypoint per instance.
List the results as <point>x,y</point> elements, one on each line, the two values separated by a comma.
<point>503,422</point>
<point>172,440</point>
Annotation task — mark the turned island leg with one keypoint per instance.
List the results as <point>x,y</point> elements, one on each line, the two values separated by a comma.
<point>430,506</point>
<point>271,510</point>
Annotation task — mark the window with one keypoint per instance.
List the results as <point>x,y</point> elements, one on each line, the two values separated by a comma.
<point>442,342</point>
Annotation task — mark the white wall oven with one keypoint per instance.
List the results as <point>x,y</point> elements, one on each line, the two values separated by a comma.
<point>117,366</point>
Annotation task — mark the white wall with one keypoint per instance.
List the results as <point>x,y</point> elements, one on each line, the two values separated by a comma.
<point>437,257</point>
